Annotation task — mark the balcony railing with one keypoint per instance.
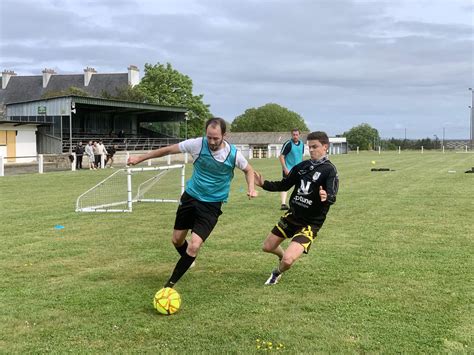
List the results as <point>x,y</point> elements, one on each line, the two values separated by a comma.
<point>124,144</point>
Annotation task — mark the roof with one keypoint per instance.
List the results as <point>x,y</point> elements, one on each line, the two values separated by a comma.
<point>261,137</point>
<point>28,88</point>
<point>269,138</point>
<point>61,105</point>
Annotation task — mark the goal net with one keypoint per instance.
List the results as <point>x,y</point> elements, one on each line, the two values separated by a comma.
<point>125,187</point>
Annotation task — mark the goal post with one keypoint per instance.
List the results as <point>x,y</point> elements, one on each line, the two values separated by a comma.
<point>119,191</point>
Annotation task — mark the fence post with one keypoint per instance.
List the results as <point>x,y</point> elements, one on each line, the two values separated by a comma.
<point>421,149</point>
<point>40,163</point>
<point>168,158</point>
<point>379,150</point>
<point>399,150</point>
<point>73,164</point>
<point>102,161</point>
<point>259,153</point>
<point>127,155</point>
<point>466,148</point>
<point>250,153</point>
<point>357,150</point>
<point>2,166</point>
<point>149,161</point>
<point>443,149</point>
<point>185,158</point>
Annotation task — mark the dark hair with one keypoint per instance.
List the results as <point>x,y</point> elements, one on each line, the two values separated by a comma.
<point>214,121</point>
<point>295,130</point>
<point>322,137</point>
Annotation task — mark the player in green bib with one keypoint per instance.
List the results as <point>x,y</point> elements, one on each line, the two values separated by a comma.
<point>291,154</point>
<point>200,204</point>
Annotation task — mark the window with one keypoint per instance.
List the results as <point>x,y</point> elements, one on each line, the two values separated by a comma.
<point>259,151</point>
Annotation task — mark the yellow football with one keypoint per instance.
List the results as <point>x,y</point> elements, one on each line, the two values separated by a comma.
<point>167,301</point>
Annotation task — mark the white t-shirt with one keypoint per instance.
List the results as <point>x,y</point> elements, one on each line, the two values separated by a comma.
<point>193,147</point>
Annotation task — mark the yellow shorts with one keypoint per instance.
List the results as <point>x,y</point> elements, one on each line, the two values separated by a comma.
<point>288,228</point>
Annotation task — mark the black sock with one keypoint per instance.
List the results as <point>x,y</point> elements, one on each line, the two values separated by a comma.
<point>180,269</point>
<point>182,249</point>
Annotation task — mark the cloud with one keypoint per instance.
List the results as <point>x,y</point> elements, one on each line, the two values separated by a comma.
<point>337,63</point>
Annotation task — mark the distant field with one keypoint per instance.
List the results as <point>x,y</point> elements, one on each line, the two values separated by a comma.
<point>390,272</point>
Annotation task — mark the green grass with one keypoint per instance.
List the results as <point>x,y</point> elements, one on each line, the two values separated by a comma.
<point>391,270</point>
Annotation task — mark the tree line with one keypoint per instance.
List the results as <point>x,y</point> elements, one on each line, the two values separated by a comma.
<point>166,86</point>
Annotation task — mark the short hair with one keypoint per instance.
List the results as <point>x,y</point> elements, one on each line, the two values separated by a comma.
<point>295,130</point>
<point>320,136</point>
<point>214,121</point>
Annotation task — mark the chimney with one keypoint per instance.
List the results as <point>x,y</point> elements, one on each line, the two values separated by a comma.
<point>133,75</point>
<point>47,75</point>
<point>88,75</point>
<point>6,75</point>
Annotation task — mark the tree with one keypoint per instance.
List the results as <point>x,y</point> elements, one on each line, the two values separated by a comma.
<point>268,118</point>
<point>163,85</point>
<point>72,90</point>
<point>126,93</point>
<point>363,136</point>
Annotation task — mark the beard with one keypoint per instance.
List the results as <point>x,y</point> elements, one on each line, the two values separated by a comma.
<point>216,146</point>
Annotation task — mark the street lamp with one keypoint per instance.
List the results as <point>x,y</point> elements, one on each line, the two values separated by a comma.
<point>471,126</point>
<point>436,141</point>
<point>186,118</point>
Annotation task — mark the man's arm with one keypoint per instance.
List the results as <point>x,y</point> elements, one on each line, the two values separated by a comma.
<point>157,153</point>
<point>282,185</point>
<point>249,176</point>
<point>332,186</point>
<point>283,165</point>
<point>284,152</point>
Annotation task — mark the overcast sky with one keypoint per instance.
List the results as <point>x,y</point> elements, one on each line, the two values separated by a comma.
<point>395,64</point>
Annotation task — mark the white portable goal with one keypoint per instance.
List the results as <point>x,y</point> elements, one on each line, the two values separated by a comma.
<point>119,191</point>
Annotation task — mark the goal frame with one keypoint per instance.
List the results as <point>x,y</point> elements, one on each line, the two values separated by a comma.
<point>130,199</point>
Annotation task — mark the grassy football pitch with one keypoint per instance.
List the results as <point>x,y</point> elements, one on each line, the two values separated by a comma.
<point>391,271</point>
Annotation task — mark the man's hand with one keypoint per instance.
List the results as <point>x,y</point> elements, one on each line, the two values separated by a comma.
<point>323,194</point>
<point>258,179</point>
<point>133,160</point>
<point>286,171</point>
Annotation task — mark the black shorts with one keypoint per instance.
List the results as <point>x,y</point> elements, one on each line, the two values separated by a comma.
<point>200,217</point>
<point>289,228</point>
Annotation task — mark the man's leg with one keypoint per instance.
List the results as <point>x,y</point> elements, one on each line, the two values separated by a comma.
<point>186,259</point>
<point>272,245</point>
<point>179,241</point>
<point>291,254</point>
<point>283,195</point>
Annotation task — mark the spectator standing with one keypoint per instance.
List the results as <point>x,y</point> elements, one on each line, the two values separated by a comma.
<point>96,149</point>
<point>89,150</point>
<point>79,150</point>
<point>102,153</point>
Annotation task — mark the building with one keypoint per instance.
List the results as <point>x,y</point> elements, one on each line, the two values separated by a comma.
<point>31,122</point>
<point>269,144</point>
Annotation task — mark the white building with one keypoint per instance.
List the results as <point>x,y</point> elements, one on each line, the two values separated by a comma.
<point>269,144</point>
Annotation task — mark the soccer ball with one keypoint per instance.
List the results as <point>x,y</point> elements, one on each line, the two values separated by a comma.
<point>167,301</point>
